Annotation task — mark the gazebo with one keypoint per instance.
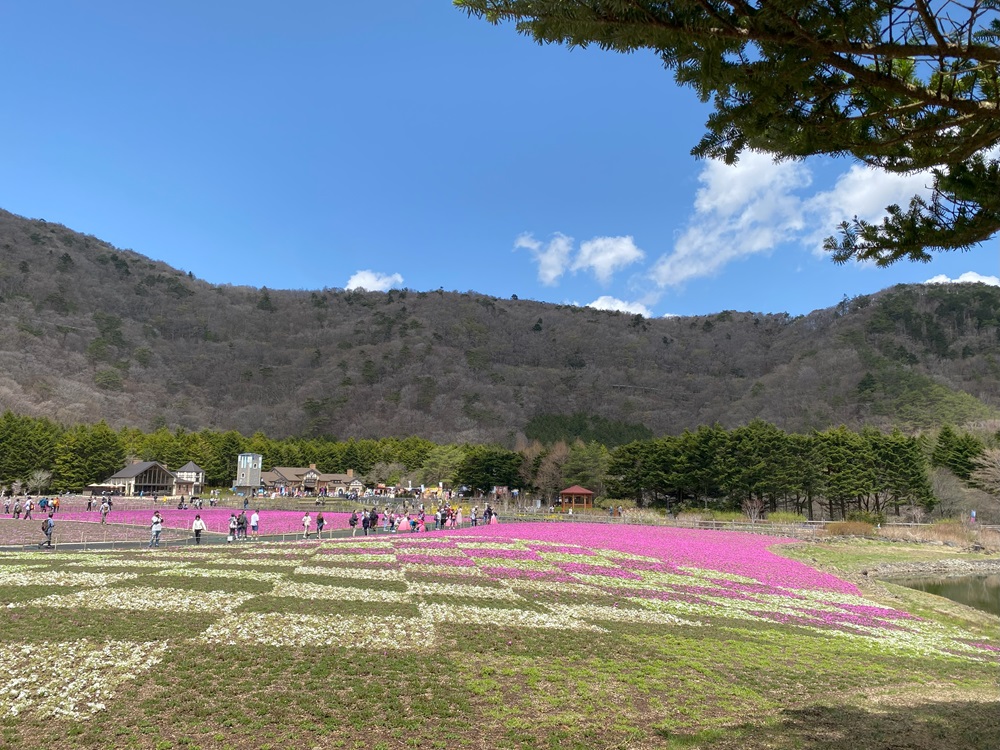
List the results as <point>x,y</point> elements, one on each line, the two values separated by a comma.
<point>576,498</point>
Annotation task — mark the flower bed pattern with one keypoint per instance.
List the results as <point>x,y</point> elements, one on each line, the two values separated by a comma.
<point>574,578</point>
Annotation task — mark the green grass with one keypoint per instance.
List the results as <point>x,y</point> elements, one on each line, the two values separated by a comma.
<point>725,684</point>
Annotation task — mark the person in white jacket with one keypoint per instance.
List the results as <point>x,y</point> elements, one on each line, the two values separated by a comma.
<point>306,523</point>
<point>197,527</point>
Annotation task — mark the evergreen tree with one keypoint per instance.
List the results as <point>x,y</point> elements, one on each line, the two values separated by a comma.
<point>899,86</point>
<point>485,467</point>
<point>587,466</point>
<point>956,451</point>
<point>87,454</point>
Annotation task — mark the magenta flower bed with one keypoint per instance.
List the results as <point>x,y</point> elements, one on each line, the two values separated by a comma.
<point>563,550</point>
<point>534,575</point>
<point>504,554</point>
<point>725,551</point>
<point>216,519</point>
<point>598,570</point>
<point>442,560</point>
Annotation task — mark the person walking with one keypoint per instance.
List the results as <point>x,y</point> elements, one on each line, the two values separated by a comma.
<point>197,527</point>
<point>105,509</point>
<point>320,523</point>
<point>232,528</point>
<point>306,523</point>
<point>155,529</point>
<point>48,526</point>
<point>255,525</point>
<point>353,523</point>
<point>28,505</point>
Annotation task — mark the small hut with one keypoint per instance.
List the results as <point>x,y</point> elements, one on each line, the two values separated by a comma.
<point>575,498</point>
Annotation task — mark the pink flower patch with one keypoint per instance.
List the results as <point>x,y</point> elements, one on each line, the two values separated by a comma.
<point>598,570</point>
<point>342,550</point>
<point>533,575</point>
<point>504,554</point>
<point>442,560</point>
<point>563,550</point>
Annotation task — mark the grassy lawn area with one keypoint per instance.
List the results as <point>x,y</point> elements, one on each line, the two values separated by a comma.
<point>520,636</point>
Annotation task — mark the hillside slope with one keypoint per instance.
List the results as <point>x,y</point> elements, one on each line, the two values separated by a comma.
<point>89,332</point>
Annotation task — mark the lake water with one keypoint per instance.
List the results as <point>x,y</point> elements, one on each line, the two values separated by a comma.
<point>981,592</point>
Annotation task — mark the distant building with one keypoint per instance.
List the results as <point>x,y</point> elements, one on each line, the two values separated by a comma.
<point>575,498</point>
<point>248,473</point>
<point>190,479</point>
<point>143,478</point>
<point>310,481</point>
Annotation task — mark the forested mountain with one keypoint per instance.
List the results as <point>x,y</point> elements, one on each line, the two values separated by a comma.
<point>91,332</point>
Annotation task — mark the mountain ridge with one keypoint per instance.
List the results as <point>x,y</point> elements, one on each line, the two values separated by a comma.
<point>89,331</point>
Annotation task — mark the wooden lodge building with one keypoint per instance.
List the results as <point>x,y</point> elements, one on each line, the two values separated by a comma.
<point>152,478</point>
<point>309,480</point>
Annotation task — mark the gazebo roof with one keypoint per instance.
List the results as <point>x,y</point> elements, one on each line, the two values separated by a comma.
<point>576,490</point>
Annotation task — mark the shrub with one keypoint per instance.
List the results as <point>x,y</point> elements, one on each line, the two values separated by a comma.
<point>849,528</point>
<point>109,380</point>
<point>783,516</point>
<point>864,516</point>
<point>950,531</point>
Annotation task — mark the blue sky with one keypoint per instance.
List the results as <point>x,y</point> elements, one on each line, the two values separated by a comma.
<point>304,145</point>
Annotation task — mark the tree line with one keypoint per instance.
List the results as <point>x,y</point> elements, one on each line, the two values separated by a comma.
<point>832,473</point>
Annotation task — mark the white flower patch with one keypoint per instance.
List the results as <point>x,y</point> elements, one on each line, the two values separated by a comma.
<point>117,562</point>
<point>468,571</point>
<point>709,574</point>
<point>144,598</point>
<point>50,558</point>
<point>613,554</point>
<point>236,563</point>
<point>340,559</point>
<point>655,579</point>
<point>417,588</point>
<point>278,553</point>
<point>559,587</point>
<point>466,615</point>
<point>339,593</point>
<point>697,609</point>
<point>621,614</point>
<point>276,629</point>
<point>927,639</point>
<point>379,574</point>
<point>428,551</point>
<point>332,544</point>
<point>229,573</point>
<point>407,538</point>
<point>566,557</point>
<point>9,577</point>
<point>503,562</point>
<point>69,680</point>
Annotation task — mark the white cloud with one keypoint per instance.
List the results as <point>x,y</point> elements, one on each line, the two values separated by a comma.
<point>741,210</point>
<point>552,259</point>
<point>863,192</point>
<point>613,303</point>
<point>757,204</point>
<point>605,255</point>
<point>969,277</point>
<point>374,282</point>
